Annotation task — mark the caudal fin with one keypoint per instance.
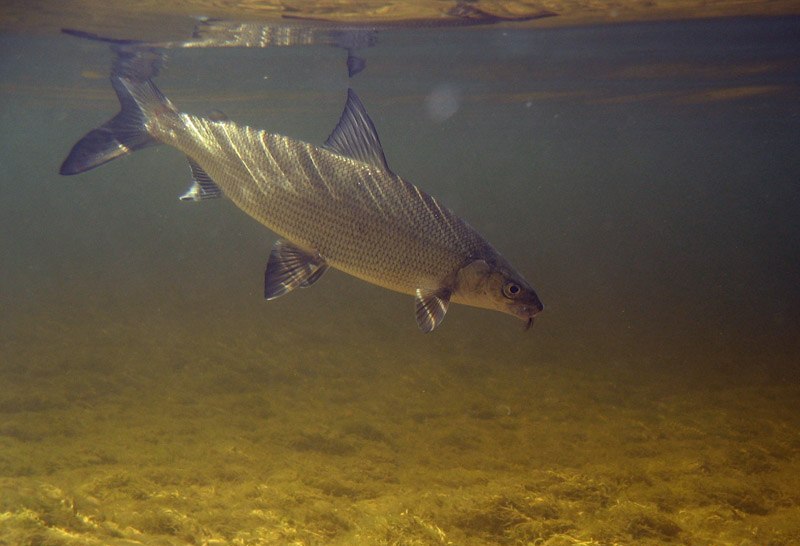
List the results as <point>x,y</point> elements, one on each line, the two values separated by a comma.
<point>124,133</point>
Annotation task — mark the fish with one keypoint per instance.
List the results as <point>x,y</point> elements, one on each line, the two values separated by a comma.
<point>295,30</point>
<point>337,205</point>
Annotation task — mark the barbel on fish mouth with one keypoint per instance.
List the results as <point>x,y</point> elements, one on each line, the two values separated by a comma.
<point>337,205</point>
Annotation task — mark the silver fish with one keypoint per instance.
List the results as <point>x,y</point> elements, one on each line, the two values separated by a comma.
<point>290,31</point>
<point>337,205</point>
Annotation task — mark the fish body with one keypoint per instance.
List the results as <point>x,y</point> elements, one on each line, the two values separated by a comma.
<point>337,205</point>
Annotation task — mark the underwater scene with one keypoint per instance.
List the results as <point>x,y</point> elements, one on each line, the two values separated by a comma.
<point>560,303</point>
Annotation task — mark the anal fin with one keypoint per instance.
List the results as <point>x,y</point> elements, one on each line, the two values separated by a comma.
<point>431,306</point>
<point>289,267</point>
<point>203,187</point>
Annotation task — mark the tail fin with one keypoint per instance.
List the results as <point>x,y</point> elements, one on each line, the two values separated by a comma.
<point>132,58</point>
<point>140,101</point>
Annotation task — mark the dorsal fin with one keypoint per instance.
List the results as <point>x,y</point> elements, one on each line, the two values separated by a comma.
<point>355,135</point>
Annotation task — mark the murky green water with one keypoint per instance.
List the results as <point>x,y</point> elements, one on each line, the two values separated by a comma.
<point>645,178</point>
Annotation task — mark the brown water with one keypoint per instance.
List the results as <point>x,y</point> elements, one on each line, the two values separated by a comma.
<point>644,177</point>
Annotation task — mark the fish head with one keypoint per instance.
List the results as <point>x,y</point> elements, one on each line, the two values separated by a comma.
<point>493,284</point>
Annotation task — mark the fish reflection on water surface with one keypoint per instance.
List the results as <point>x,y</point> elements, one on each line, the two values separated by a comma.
<point>337,205</point>
<point>302,31</point>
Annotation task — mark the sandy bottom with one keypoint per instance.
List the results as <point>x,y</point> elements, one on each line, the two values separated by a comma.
<point>130,436</point>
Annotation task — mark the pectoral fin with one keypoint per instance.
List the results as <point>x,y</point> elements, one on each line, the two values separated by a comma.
<point>289,267</point>
<point>431,307</point>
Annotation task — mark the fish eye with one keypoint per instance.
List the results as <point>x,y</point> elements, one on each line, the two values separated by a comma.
<point>511,290</point>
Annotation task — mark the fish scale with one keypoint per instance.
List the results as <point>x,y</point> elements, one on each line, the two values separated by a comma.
<point>337,205</point>
<point>331,214</point>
